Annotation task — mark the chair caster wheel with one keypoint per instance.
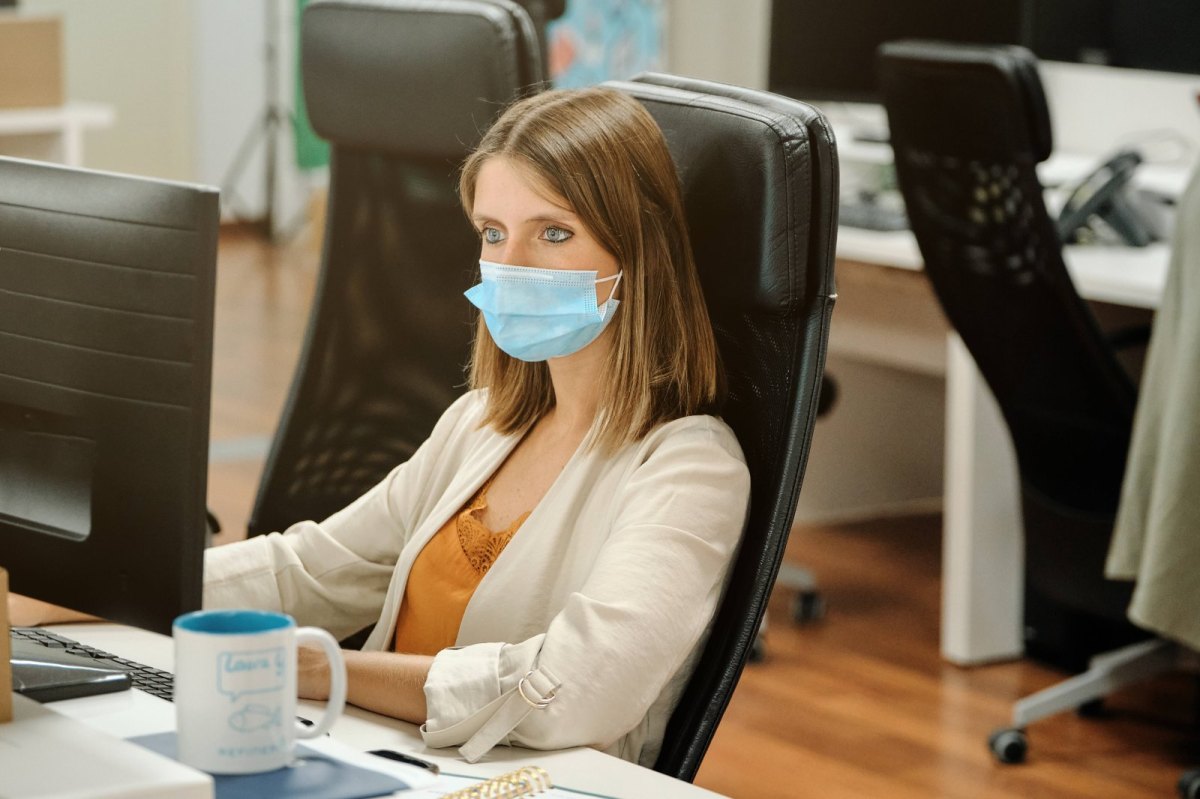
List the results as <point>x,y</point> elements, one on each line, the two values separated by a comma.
<point>1189,785</point>
<point>1091,709</point>
<point>1009,745</point>
<point>808,606</point>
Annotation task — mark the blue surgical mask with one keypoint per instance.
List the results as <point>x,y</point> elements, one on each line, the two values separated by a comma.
<point>535,314</point>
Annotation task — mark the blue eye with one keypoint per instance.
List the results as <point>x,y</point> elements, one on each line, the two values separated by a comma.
<point>492,236</point>
<point>556,235</point>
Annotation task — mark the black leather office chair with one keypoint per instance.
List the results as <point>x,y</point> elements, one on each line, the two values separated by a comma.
<point>389,332</point>
<point>969,124</point>
<point>760,182</point>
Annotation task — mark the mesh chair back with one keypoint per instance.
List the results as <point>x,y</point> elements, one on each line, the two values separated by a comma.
<point>969,125</point>
<point>390,332</point>
<point>759,175</point>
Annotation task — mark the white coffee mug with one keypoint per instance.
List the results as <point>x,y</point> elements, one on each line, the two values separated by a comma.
<point>235,689</point>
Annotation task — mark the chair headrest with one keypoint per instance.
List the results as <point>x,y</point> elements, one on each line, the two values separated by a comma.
<point>420,77</point>
<point>993,97</point>
<point>738,151</point>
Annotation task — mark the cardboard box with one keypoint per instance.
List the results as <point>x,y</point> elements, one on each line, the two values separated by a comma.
<point>31,68</point>
<point>5,653</point>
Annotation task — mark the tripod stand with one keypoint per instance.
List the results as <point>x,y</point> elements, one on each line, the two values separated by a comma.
<point>275,120</point>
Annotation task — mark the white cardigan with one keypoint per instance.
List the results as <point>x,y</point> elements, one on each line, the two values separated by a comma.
<point>594,612</point>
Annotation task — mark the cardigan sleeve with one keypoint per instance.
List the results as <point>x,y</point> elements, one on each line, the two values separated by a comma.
<point>609,653</point>
<point>333,574</point>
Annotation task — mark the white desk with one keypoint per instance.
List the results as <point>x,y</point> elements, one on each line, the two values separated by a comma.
<point>983,552</point>
<point>130,713</point>
<point>51,134</point>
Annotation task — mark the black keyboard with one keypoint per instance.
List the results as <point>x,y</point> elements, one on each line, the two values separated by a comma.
<point>153,681</point>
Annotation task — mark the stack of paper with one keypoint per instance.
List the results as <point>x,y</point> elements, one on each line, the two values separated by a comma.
<point>44,754</point>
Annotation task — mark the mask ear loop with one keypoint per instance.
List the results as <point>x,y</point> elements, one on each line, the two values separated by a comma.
<point>616,277</point>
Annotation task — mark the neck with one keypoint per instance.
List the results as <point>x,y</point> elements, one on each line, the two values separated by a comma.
<point>577,379</point>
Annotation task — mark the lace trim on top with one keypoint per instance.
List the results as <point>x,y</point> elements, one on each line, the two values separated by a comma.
<point>479,544</point>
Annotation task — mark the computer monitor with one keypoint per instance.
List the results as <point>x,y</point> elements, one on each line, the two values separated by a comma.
<point>106,318</point>
<point>822,50</point>
<point>1160,35</point>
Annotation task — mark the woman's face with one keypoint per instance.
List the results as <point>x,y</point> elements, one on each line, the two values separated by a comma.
<point>520,224</point>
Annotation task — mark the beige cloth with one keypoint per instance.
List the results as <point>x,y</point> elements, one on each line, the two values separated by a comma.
<point>1157,536</point>
<point>607,590</point>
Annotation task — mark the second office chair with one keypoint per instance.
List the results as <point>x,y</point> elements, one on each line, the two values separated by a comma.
<point>969,124</point>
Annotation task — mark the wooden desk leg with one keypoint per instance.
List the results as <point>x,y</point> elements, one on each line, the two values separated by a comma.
<point>982,545</point>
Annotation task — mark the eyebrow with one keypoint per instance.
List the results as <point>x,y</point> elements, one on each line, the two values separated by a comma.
<point>570,219</point>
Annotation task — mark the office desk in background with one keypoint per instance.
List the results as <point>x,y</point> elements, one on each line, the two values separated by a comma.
<point>899,324</point>
<point>129,713</point>
<point>51,134</point>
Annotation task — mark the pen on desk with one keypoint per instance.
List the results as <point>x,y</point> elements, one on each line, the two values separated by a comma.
<point>391,754</point>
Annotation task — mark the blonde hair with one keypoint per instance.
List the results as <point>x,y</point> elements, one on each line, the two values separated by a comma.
<point>602,152</point>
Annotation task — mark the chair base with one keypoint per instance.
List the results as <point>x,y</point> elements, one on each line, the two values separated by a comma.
<point>1107,673</point>
<point>808,604</point>
<point>1060,634</point>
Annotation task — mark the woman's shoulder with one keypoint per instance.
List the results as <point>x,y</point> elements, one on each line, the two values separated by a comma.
<point>463,417</point>
<point>694,433</point>
<point>468,407</point>
<point>688,468</point>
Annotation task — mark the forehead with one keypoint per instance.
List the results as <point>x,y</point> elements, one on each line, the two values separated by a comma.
<point>503,183</point>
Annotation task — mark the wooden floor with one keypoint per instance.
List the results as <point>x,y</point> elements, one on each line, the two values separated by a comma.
<point>859,705</point>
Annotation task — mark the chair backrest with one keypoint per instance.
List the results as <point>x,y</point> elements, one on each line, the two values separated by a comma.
<point>389,332</point>
<point>760,182</point>
<point>969,124</point>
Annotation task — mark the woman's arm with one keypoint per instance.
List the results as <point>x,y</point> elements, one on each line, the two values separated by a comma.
<point>335,573</point>
<point>25,611</point>
<point>383,682</point>
<point>617,642</point>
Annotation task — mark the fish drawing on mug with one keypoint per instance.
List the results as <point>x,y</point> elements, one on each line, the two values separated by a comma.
<point>255,672</point>
<point>253,718</point>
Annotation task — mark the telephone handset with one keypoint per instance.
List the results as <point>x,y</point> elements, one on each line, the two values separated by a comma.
<point>1105,193</point>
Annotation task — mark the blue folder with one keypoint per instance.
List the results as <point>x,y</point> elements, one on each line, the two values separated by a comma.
<point>312,775</point>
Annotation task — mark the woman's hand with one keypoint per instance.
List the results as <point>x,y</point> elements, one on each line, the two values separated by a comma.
<point>312,673</point>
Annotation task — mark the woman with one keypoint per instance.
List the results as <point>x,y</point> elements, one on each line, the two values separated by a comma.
<point>543,569</point>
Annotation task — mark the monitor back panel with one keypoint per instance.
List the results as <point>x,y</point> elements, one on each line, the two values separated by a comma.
<point>106,313</point>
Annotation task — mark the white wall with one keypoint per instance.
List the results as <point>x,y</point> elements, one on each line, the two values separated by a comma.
<point>187,79</point>
<point>136,56</point>
<point>228,94</point>
<point>719,40</point>
<point>229,105</point>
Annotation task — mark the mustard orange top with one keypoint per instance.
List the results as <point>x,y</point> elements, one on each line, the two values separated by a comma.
<point>445,575</point>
